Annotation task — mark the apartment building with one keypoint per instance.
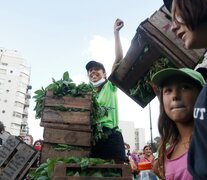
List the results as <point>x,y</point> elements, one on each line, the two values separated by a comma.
<point>14,91</point>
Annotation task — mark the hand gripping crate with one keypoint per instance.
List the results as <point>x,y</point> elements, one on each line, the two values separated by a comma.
<point>153,44</point>
<point>16,158</point>
<point>71,127</point>
<point>60,172</point>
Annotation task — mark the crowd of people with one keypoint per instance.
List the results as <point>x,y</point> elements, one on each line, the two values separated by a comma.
<point>182,96</point>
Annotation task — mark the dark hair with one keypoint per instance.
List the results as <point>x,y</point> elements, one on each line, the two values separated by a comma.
<point>147,146</point>
<point>2,127</point>
<point>203,72</point>
<point>193,12</point>
<point>38,141</point>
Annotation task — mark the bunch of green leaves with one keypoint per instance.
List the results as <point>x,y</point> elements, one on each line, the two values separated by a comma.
<point>66,147</point>
<point>45,170</point>
<point>66,87</point>
<point>143,87</point>
<point>62,87</point>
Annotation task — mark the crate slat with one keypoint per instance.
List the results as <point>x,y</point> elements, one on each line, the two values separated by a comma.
<point>48,151</point>
<point>73,127</point>
<point>54,116</point>
<point>69,137</point>
<point>68,102</point>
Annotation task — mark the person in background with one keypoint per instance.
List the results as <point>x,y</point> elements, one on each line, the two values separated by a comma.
<point>147,154</point>
<point>3,134</point>
<point>28,139</point>
<point>190,24</point>
<point>133,161</point>
<point>38,147</point>
<point>179,91</point>
<point>113,146</point>
<point>140,154</point>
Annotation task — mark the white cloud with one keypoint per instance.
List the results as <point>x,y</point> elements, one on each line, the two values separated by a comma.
<point>102,50</point>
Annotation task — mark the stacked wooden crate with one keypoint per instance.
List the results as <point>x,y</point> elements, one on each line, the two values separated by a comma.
<point>16,158</point>
<point>61,170</point>
<point>152,42</point>
<point>71,127</point>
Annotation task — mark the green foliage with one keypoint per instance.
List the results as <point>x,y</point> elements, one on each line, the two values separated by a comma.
<point>65,147</point>
<point>45,170</point>
<point>143,88</point>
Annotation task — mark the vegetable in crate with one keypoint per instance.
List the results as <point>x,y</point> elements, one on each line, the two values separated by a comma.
<point>66,87</point>
<point>143,89</point>
<point>45,170</point>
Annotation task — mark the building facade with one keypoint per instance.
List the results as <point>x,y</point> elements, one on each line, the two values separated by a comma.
<point>140,141</point>
<point>14,91</point>
<point>127,129</point>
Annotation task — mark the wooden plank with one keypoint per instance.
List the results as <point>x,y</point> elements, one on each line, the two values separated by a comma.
<point>27,167</point>
<point>48,151</point>
<point>54,116</point>
<point>73,127</point>
<point>137,47</point>
<point>7,148</point>
<point>61,169</point>
<point>69,137</point>
<point>19,159</point>
<point>163,24</point>
<point>68,102</point>
<point>155,34</point>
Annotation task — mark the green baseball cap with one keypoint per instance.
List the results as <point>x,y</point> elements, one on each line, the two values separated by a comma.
<point>159,77</point>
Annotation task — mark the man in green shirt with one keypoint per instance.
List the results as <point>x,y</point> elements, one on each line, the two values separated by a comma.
<point>113,146</point>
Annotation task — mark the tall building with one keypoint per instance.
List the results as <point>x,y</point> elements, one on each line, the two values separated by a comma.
<point>140,141</point>
<point>127,128</point>
<point>14,91</point>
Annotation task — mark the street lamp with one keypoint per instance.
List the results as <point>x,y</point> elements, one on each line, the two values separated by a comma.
<point>150,125</point>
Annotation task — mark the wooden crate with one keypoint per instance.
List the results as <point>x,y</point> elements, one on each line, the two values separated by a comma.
<point>61,169</point>
<point>153,40</point>
<point>16,157</point>
<point>49,151</point>
<point>66,127</point>
<point>79,115</point>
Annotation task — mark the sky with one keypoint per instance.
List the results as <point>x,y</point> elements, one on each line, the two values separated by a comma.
<point>56,36</point>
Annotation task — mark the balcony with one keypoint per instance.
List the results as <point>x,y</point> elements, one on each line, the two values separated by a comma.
<point>28,95</point>
<point>26,102</point>
<point>25,112</point>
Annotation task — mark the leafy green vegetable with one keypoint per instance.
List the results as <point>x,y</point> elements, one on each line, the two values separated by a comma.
<point>143,89</point>
<point>45,170</point>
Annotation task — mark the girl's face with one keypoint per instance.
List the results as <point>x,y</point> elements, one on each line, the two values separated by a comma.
<point>192,39</point>
<point>148,151</point>
<point>95,74</point>
<point>179,96</point>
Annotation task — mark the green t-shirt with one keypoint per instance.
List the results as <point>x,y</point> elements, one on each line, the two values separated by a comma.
<point>108,97</point>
